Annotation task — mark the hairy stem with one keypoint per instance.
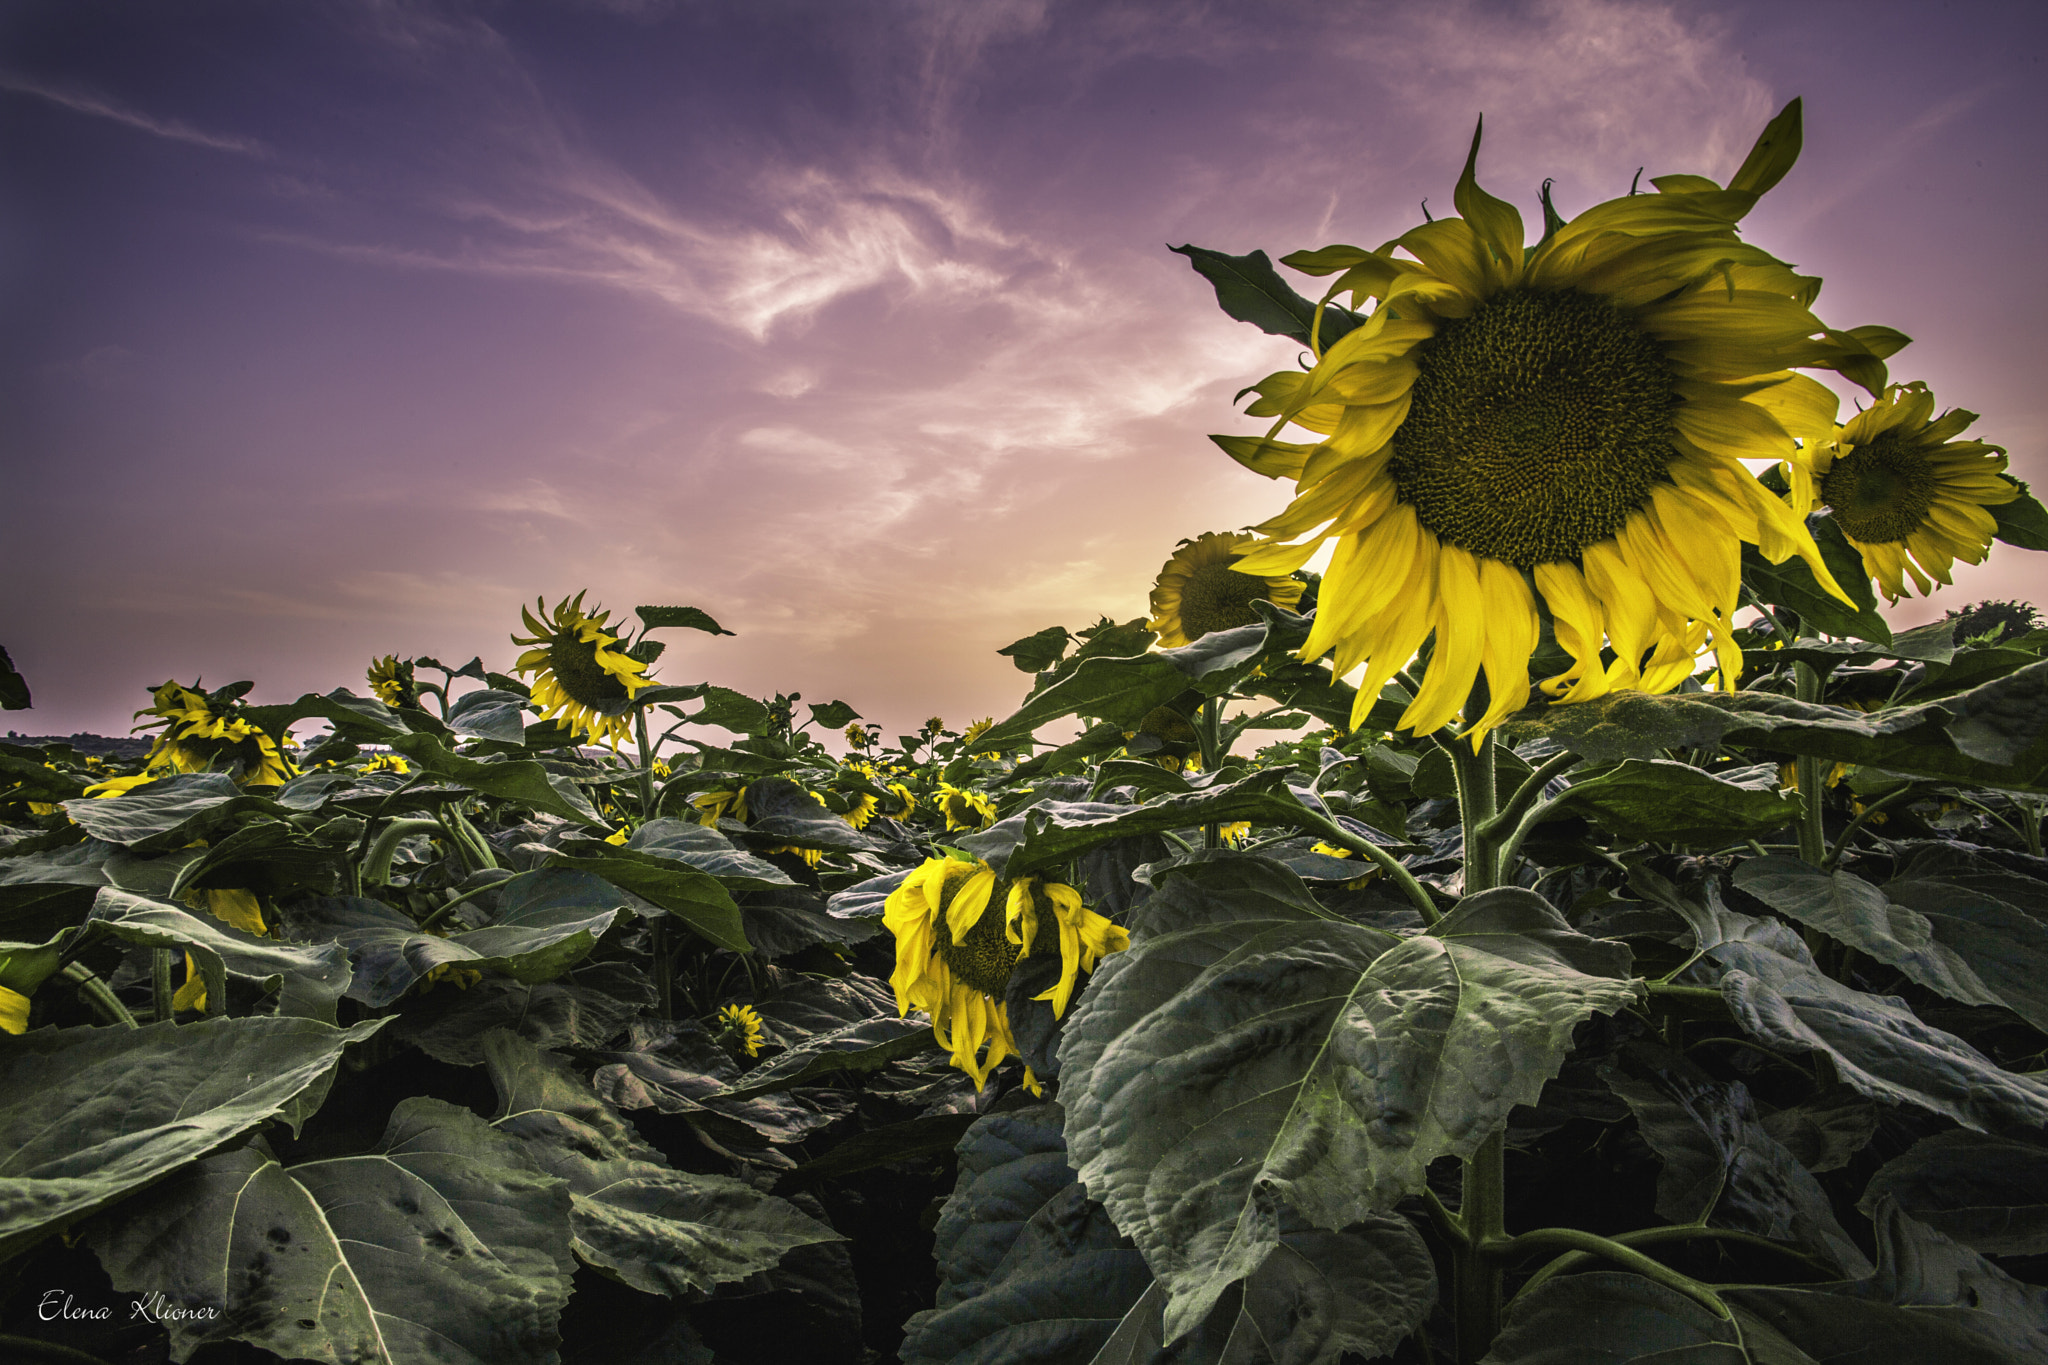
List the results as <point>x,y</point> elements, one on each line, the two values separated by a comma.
<point>100,996</point>
<point>377,862</point>
<point>1813,844</point>
<point>1616,1250</point>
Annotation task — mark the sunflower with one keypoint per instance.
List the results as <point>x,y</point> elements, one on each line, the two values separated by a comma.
<point>724,804</point>
<point>387,763</point>
<point>739,1028</point>
<point>1904,491</point>
<point>201,733</point>
<point>1566,422</point>
<point>954,958</point>
<point>240,909</point>
<point>580,681</point>
<point>391,679</point>
<point>964,809</point>
<point>863,808</point>
<point>1198,591</point>
<point>975,731</point>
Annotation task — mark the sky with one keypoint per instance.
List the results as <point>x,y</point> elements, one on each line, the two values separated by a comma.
<point>341,329</point>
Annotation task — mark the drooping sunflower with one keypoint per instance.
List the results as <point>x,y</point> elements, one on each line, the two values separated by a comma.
<point>723,804</point>
<point>1566,421</point>
<point>391,678</point>
<point>580,681</point>
<point>1200,590</point>
<point>1904,491</point>
<point>201,733</point>
<point>960,931</point>
<point>963,808</point>
<point>863,806</point>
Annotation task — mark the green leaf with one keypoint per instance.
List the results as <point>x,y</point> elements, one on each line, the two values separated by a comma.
<point>782,812</point>
<point>1994,735</point>
<point>267,856</point>
<point>361,718</point>
<point>1051,832</point>
<point>169,812</point>
<point>928,1135</point>
<point>442,1245</point>
<point>695,898</point>
<point>1348,1060</point>
<point>1218,885</point>
<point>1250,290</point>
<point>852,1050</point>
<point>489,713</point>
<point>585,1008</point>
<point>1793,585</point>
<point>689,618</point>
<point>1964,945</point>
<point>548,921</point>
<point>1721,1165</point>
<point>677,1069</point>
<point>686,841</point>
<point>309,978</point>
<point>2022,521</point>
<point>1676,802</point>
<point>1876,1043</point>
<point>1117,689</point>
<point>1931,1300</point>
<point>13,687</point>
<point>1036,653</point>
<point>1615,1319</point>
<point>834,715</point>
<point>522,779</point>
<point>1033,1272</point>
<point>34,781</point>
<point>1990,1194</point>
<point>661,1230</point>
<point>90,1115</point>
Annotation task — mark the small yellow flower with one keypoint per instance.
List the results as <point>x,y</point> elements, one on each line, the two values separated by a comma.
<point>974,732</point>
<point>1234,832</point>
<point>387,763</point>
<point>580,681</point>
<point>659,768</point>
<point>617,836</point>
<point>739,1027</point>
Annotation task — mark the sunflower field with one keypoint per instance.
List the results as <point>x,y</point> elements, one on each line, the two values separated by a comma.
<point>1571,927</point>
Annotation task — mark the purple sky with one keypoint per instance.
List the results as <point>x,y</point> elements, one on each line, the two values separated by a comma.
<point>339,329</point>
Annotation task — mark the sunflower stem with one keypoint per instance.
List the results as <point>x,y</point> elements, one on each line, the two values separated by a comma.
<point>1209,735</point>
<point>1621,1254</point>
<point>1476,1293</point>
<point>646,764</point>
<point>161,991</point>
<point>100,996</point>
<point>1813,843</point>
<point>1869,811</point>
<point>377,862</point>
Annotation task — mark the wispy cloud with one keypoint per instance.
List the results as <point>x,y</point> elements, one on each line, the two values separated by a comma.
<point>105,106</point>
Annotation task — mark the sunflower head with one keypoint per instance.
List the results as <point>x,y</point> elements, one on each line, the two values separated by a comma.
<point>739,1029</point>
<point>861,807</point>
<point>960,931</point>
<point>1165,736</point>
<point>387,763</point>
<point>974,731</point>
<point>1991,622</point>
<point>1567,421</point>
<point>579,680</point>
<point>392,680</point>
<point>1200,590</point>
<point>1906,492</point>
<point>964,808</point>
<point>202,732</point>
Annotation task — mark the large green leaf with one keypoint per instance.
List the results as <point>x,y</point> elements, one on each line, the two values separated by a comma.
<point>489,713</point>
<point>660,1230</point>
<point>1214,1074</point>
<point>43,892</point>
<point>707,850</point>
<point>1642,799</point>
<point>1877,1044</point>
<point>309,978</point>
<point>1117,689</point>
<point>677,1069</point>
<point>1990,1194</point>
<point>695,898</point>
<point>1931,1299</point>
<point>585,1008</point>
<point>267,856</point>
<point>1032,1271</point>
<point>1721,1166</point>
<point>92,1114</point>
<point>1051,832</point>
<point>360,718</point>
<point>14,695</point>
<point>444,1246</point>
<point>521,779</point>
<point>850,1050</point>
<point>1993,735</point>
<point>169,812</point>
<point>549,921</point>
<point>1947,937</point>
<point>2022,521</point>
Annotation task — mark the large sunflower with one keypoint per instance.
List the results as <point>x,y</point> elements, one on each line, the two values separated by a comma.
<point>960,930</point>
<point>580,681</point>
<point>1199,591</point>
<point>1904,491</point>
<point>200,732</point>
<point>1566,421</point>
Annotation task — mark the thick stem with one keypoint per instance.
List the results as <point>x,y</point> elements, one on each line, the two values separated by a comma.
<point>1476,1263</point>
<point>377,862</point>
<point>1477,807</point>
<point>161,991</point>
<point>1615,1251</point>
<point>100,996</point>
<point>1813,840</point>
<point>646,764</point>
<point>1209,736</point>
